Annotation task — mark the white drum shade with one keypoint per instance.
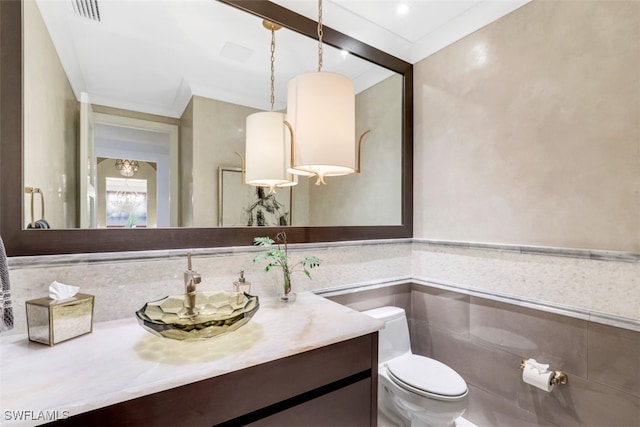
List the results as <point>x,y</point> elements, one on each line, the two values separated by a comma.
<point>265,151</point>
<point>321,112</point>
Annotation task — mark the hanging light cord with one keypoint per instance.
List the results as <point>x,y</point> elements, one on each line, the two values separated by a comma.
<point>319,35</point>
<point>273,67</point>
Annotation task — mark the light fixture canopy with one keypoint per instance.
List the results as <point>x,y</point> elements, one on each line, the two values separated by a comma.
<point>266,144</point>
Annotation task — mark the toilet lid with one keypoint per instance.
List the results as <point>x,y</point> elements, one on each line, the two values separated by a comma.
<point>426,376</point>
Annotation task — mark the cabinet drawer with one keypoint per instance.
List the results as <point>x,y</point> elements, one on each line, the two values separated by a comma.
<point>349,407</point>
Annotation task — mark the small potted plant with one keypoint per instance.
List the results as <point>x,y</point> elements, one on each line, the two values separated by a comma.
<point>277,256</point>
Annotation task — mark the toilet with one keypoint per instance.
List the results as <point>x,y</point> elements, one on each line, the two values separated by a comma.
<point>414,390</point>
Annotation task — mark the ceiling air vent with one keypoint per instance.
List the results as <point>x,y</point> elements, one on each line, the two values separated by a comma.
<point>87,9</point>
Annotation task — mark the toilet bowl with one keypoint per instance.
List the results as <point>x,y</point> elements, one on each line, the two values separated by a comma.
<point>414,390</point>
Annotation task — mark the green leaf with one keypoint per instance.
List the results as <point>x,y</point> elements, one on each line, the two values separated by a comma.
<point>311,261</point>
<point>277,257</point>
<point>263,241</point>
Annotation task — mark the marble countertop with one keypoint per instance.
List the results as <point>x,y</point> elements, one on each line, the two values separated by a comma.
<point>120,361</point>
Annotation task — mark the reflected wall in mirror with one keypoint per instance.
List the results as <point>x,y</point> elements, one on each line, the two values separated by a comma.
<point>58,159</point>
<point>205,69</point>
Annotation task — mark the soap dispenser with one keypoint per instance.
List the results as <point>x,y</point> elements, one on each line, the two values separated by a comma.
<point>242,286</point>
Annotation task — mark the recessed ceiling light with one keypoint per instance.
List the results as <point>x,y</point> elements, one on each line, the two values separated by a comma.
<point>402,9</point>
<point>344,53</point>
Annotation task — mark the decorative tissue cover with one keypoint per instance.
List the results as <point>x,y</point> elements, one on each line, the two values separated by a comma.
<point>217,313</point>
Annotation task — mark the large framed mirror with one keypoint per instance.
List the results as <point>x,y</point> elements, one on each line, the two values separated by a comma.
<point>182,226</point>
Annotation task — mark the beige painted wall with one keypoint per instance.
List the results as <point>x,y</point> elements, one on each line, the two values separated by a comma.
<point>300,201</point>
<point>50,114</point>
<point>212,130</point>
<point>186,166</point>
<point>218,131</point>
<point>372,197</point>
<point>528,131</point>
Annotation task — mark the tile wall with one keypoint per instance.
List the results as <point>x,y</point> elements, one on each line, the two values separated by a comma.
<point>123,282</point>
<point>579,282</point>
<point>485,340</point>
<point>527,132</point>
<point>487,345</point>
<point>479,309</point>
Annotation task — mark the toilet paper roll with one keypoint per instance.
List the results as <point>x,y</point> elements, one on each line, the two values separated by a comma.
<point>542,380</point>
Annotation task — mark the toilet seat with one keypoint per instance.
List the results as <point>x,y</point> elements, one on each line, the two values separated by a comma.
<point>427,377</point>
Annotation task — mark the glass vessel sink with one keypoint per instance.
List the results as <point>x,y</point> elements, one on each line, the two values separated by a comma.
<point>215,314</point>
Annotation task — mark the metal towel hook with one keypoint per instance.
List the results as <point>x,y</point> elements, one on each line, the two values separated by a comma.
<point>32,190</point>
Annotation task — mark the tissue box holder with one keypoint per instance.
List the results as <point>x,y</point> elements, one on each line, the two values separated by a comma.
<point>52,321</point>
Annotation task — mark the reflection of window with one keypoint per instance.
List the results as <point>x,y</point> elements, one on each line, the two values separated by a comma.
<point>126,202</point>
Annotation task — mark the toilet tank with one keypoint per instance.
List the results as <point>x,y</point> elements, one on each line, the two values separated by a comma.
<point>393,340</point>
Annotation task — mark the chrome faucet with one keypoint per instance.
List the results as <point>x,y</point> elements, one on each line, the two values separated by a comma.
<point>191,279</point>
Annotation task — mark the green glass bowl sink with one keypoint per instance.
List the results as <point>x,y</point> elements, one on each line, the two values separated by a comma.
<point>216,313</point>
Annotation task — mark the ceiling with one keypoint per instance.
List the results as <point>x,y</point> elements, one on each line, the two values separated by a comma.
<point>408,29</point>
<point>153,55</point>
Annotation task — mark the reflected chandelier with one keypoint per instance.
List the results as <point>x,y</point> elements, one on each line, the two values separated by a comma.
<point>127,168</point>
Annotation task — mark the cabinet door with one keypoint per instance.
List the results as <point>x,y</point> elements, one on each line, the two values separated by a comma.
<point>349,407</point>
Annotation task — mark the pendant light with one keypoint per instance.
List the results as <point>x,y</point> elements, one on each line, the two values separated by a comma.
<point>266,142</point>
<point>321,120</point>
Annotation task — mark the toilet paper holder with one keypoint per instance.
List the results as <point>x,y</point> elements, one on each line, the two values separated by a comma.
<point>558,377</point>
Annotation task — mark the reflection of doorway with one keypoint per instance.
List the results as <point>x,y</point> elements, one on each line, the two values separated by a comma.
<point>155,145</point>
<point>86,165</point>
<point>126,203</point>
<point>121,198</point>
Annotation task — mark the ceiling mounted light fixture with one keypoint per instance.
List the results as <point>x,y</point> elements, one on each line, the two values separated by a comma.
<point>127,168</point>
<point>266,143</point>
<point>321,120</point>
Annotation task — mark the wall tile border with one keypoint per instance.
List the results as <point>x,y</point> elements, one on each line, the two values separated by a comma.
<point>593,254</point>
<point>576,313</point>
<point>21,262</point>
<point>364,286</point>
<point>17,263</point>
<point>132,256</point>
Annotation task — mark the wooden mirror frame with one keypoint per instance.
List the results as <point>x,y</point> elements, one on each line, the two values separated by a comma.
<point>21,242</point>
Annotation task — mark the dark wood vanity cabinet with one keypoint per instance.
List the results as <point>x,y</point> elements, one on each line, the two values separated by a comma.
<point>333,386</point>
